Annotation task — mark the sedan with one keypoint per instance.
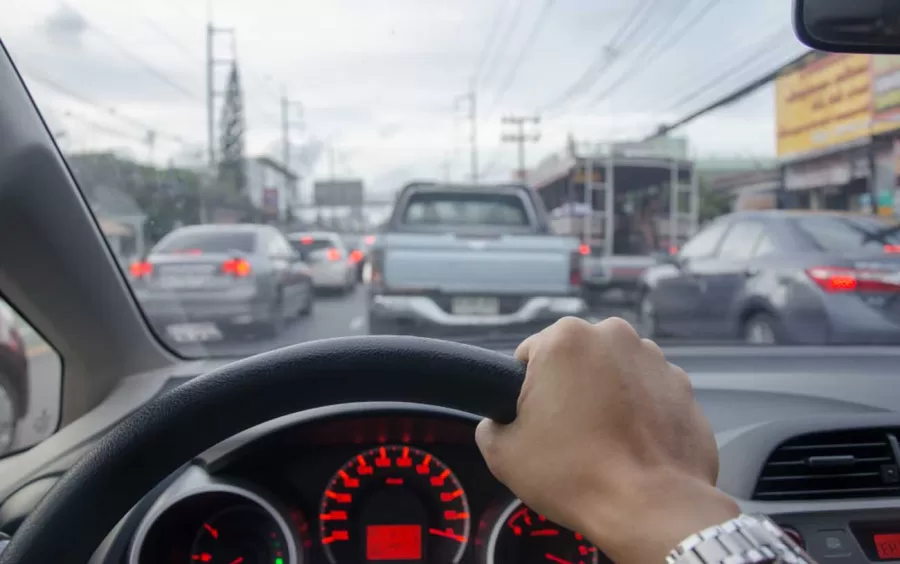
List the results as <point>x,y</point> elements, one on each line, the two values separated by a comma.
<point>205,282</point>
<point>333,267</point>
<point>780,277</point>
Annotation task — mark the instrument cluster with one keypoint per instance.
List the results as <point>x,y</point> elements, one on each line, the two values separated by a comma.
<point>391,502</point>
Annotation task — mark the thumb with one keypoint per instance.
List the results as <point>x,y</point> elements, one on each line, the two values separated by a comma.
<point>492,439</point>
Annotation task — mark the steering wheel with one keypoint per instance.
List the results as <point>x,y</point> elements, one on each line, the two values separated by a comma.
<point>89,500</point>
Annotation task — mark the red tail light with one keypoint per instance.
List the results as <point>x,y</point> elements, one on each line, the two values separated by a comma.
<point>370,240</point>
<point>584,250</point>
<point>836,279</point>
<point>892,249</point>
<point>139,269</point>
<point>236,267</point>
<point>355,256</point>
<point>333,254</point>
<point>306,240</point>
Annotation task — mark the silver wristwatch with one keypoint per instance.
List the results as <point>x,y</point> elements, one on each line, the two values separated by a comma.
<point>747,539</point>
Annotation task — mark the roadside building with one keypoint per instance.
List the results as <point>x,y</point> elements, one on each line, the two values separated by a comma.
<point>271,188</point>
<point>837,128</point>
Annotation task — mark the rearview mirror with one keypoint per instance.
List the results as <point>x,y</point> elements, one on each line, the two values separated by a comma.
<point>849,26</point>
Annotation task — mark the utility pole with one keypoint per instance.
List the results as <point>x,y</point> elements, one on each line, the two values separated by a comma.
<point>520,137</point>
<point>470,99</point>
<point>286,104</point>
<point>211,93</point>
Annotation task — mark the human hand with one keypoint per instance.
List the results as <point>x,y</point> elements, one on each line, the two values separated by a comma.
<point>609,441</point>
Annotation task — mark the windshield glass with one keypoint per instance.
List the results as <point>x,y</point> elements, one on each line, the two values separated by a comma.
<point>267,174</point>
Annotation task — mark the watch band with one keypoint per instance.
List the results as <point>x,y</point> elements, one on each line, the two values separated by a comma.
<point>747,539</point>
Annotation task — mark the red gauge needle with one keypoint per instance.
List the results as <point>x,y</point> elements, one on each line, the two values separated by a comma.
<point>447,534</point>
<point>544,533</point>
<point>556,559</point>
<point>237,560</point>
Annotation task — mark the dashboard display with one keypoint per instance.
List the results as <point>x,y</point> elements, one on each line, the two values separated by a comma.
<point>242,534</point>
<point>888,546</point>
<point>394,503</point>
<point>523,536</point>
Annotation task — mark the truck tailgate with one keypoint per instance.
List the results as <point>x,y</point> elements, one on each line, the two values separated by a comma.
<point>510,264</point>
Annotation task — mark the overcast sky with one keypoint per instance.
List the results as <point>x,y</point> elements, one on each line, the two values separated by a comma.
<point>378,80</point>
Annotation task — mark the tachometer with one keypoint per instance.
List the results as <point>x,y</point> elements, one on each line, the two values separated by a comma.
<point>243,534</point>
<point>394,503</point>
<point>520,535</point>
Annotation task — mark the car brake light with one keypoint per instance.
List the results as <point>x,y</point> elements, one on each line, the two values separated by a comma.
<point>139,269</point>
<point>836,279</point>
<point>306,240</point>
<point>236,267</point>
<point>892,249</point>
<point>355,256</point>
<point>370,240</point>
<point>333,254</point>
<point>584,249</point>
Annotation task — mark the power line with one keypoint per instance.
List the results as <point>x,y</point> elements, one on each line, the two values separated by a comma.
<point>764,48</point>
<point>647,57</point>
<point>501,46</point>
<point>53,85</point>
<point>96,125</point>
<point>492,33</point>
<point>604,59</point>
<point>137,59</point>
<point>529,42</point>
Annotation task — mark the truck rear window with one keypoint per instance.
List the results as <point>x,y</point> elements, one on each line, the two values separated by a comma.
<point>435,208</point>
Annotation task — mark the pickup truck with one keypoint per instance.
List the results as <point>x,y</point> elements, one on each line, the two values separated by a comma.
<point>461,261</point>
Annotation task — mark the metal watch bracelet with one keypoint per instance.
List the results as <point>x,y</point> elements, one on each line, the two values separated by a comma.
<point>747,539</point>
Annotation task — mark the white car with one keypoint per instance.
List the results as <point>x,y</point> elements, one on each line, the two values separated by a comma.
<point>328,258</point>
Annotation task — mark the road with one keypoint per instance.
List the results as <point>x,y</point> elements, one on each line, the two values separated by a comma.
<point>333,316</point>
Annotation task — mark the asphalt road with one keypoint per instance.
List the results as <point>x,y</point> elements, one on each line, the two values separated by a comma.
<point>333,316</point>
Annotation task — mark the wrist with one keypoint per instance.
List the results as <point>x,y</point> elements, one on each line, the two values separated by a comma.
<point>652,516</point>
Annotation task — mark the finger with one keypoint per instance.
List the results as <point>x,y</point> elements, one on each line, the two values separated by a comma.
<point>491,438</point>
<point>523,351</point>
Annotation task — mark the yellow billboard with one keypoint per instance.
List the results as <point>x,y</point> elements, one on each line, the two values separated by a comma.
<point>822,102</point>
<point>885,93</point>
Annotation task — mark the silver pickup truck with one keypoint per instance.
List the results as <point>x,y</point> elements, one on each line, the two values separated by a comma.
<point>466,261</point>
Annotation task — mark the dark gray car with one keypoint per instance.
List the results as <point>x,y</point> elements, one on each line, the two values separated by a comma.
<point>207,282</point>
<point>785,277</point>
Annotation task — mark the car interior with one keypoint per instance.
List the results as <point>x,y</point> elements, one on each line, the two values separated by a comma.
<point>159,458</point>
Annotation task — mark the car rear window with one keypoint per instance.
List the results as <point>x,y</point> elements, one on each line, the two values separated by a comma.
<point>850,233</point>
<point>306,245</point>
<point>465,209</point>
<point>208,242</point>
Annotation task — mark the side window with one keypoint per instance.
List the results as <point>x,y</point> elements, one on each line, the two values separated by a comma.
<point>740,241</point>
<point>278,245</point>
<point>704,244</point>
<point>764,247</point>
<point>30,384</point>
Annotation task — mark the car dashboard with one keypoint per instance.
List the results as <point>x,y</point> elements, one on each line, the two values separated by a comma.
<point>809,438</point>
<point>393,485</point>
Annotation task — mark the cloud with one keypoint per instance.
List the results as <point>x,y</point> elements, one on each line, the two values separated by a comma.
<point>378,79</point>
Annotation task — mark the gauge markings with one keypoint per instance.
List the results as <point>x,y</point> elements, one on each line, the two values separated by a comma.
<point>391,502</point>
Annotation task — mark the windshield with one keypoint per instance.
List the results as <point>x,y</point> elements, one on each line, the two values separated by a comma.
<point>267,174</point>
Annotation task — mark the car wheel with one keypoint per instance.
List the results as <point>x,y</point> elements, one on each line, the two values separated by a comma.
<point>308,305</point>
<point>646,313</point>
<point>8,414</point>
<point>762,329</point>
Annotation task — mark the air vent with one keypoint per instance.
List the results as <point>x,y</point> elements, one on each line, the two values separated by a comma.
<point>834,465</point>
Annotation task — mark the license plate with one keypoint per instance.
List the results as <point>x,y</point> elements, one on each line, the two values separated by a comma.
<point>194,332</point>
<point>475,306</point>
<point>183,281</point>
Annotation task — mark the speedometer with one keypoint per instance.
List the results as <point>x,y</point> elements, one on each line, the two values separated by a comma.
<point>394,503</point>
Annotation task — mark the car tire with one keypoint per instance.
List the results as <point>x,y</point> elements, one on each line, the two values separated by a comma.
<point>763,329</point>
<point>646,316</point>
<point>308,307</point>
<point>9,415</point>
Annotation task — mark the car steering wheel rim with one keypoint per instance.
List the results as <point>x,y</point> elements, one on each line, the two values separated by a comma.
<point>89,500</point>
